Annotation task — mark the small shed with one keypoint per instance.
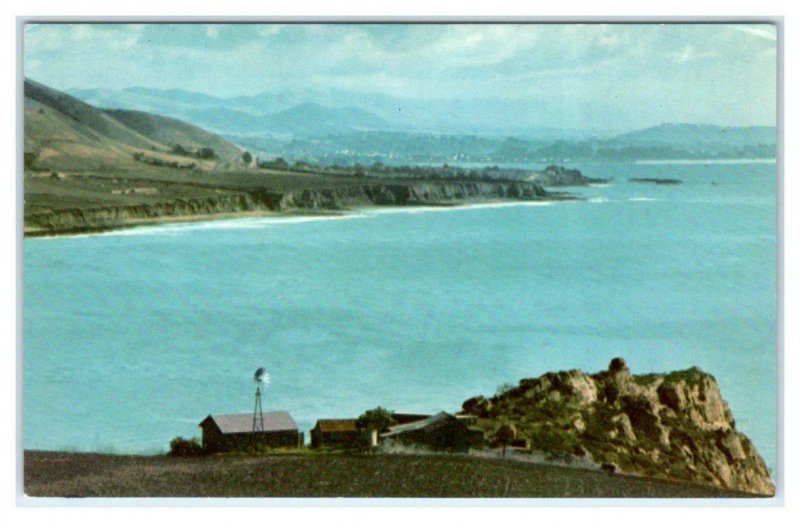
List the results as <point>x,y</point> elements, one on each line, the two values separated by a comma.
<point>441,431</point>
<point>335,433</point>
<point>227,432</point>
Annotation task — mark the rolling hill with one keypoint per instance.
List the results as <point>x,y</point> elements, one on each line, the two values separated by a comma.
<point>689,136</point>
<point>64,133</point>
<point>167,130</point>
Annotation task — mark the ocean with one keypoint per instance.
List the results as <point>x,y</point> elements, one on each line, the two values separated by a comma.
<point>132,337</point>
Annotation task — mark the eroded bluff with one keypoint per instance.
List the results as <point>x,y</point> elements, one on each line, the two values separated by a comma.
<point>321,199</point>
<point>674,425</point>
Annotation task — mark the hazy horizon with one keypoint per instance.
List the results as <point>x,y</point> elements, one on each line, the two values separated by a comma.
<point>569,76</point>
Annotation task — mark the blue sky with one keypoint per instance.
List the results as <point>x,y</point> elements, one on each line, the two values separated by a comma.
<point>632,74</point>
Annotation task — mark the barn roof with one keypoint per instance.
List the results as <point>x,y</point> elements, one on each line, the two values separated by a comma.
<point>240,423</point>
<point>337,425</point>
<point>405,417</point>
<point>426,424</point>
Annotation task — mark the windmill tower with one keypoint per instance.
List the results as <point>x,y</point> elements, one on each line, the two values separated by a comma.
<point>261,377</point>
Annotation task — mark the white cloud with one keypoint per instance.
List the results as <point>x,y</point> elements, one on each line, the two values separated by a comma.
<point>554,62</point>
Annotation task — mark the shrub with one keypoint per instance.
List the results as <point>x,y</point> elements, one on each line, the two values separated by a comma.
<point>179,149</point>
<point>207,153</point>
<point>29,159</point>
<point>183,448</point>
<point>378,418</point>
<point>279,164</point>
<point>553,441</point>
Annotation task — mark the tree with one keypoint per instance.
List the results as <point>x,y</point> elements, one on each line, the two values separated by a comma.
<point>29,159</point>
<point>279,164</point>
<point>185,448</point>
<point>206,153</point>
<point>247,158</point>
<point>378,419</point>
<point>179,149</point>
<point>505,435</point>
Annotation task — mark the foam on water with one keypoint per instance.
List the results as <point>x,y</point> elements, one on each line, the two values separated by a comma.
<point>599,199</point>
<point>231,224</point>
<point>451,208</point>
<point>172,229</point>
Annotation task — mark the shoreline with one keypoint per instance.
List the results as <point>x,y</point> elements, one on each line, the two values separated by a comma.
<point>156,222</point>
<point>164,220</point>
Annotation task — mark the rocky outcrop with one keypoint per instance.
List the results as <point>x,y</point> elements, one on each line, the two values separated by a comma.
<point>558,176</point>
<point>418,193</point>
<point>674,425</point>
<point>336,198</point>
<point>657,181</point>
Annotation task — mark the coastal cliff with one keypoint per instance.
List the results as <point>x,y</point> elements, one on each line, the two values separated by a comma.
<point>673,426</point>
<point>334,198</point>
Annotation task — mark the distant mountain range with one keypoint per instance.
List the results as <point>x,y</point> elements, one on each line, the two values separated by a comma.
<point>334,127</point>
<point>306,119</point>
<point>294,114</point>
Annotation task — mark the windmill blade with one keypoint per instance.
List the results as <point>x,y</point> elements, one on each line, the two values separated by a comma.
<point>261,376</point>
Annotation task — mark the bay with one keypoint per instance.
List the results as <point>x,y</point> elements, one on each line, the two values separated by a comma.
<point>132,337</point>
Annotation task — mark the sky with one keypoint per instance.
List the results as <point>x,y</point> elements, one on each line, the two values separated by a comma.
<point>619,74</point>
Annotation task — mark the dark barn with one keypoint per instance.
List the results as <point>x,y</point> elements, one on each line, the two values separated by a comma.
<point>442,431</point>
<point>335,433</point>
<point>227,432</point>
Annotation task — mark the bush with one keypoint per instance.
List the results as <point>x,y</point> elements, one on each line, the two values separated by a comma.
<point>185,448</point>
<point>279,164</point>
<point>207,153</point>
<point>179,149</point>
<point>378,419</point>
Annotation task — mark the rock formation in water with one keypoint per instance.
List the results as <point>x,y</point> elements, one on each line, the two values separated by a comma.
<point>657,181</point>
<point>558,176</point>
<point>674,425</point>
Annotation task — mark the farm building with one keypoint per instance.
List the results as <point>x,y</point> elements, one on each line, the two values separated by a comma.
<point>227,432</point>
<point>403,417</point>
<point>335,433</point>
<point>442,431</point>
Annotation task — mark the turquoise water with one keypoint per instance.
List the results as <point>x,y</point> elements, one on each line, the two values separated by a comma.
<point>131,338</point>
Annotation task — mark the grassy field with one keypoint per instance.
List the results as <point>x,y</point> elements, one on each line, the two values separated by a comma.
<point>54,474</point>
<point>91,189</point>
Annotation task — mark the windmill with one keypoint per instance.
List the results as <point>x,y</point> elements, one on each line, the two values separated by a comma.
<point>261,377</point>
